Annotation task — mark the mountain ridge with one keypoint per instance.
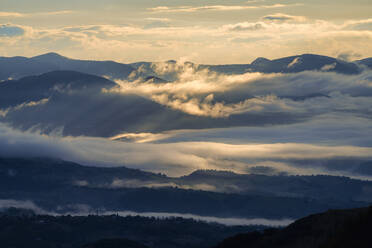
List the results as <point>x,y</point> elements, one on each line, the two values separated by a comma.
<point>332,229</point>
<point>18,66</point>
<point>123,189</point>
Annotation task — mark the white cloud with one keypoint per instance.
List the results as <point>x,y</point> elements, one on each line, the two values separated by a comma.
<point>295,62</point>
<point>329,67</point>
<point>122,183</point>
<point>194,91</point>
<point>9,203</point>
<point>4,112</point>
<point>224,221</point>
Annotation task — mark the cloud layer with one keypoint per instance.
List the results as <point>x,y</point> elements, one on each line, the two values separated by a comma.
<point>181,158</point>
<point>186,9</point>
<point>205,93</point>
<point>161,38</point>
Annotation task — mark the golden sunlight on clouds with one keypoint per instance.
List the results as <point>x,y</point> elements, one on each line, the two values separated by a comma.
<point>272,36</point>
<point>216,8</point>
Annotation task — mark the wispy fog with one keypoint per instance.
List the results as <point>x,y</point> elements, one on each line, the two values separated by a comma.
<point>83,210</point>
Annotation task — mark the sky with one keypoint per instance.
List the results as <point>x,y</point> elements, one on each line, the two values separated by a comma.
<point>202,31</point>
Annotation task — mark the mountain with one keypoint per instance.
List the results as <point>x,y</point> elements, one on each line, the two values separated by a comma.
<point>36,88</point>
<point>332,229</point>
<point>18,67</point>
<point>366,62</point>
<point>282,185</point>
<point>305,62</point>
<point>292,64</point>
<point>115,243</point>
<point>165,71</point>
<point>21,230</point>
<point>76,103</point>
<point>44,181</point>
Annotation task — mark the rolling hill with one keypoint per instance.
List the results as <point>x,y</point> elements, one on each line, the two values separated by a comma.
<point>332,229</point>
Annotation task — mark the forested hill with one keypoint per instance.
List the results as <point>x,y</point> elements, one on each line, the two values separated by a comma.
<point>332,229</point>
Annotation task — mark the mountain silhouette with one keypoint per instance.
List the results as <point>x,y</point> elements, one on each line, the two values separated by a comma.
<point>292,64</point>
<point>332,229</point>
<point>17,67</point>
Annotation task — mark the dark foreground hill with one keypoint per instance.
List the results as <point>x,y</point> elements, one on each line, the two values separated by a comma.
<point>21,229</point>
<point>332,229</point>
<point>115,243</point>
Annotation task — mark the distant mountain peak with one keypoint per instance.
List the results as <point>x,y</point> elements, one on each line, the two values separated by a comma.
<point>171,61</point>
<point>260,60</point>
<point>213,173</point>
<point>50,55</point>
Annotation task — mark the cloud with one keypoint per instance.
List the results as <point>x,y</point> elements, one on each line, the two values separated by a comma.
<point>10,14</point>
<point>84,210</point>
<point>359,25</point>
<point>9,203</point>
<point>280,17</point>
<point>349,56</point>
<point>121,183</point>
<point>28,15</point>
<point>180,94</point>
<point>213,8</point>
<point>204,93</point>
<point>295,62</point>
<point>4,112</point>
<point>244,26</point>
<point>209,219</point>
<point>329,67</point>
<point>325,129</point>
<point>178,158</point>
<point>52,13</point>
<point>140,137</point>
<point>8,30</point>
<point>160,40</point>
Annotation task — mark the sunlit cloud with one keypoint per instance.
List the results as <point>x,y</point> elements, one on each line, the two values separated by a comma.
<point>359,24</point>
<point>157,39</point>
<point>214,8</point>
<point>176,158</point>
<point>194,91</point>
<point>34,14</point>
<point>11,14</point>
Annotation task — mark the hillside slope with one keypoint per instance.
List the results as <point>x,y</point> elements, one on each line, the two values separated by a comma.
<point>332,229</point>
